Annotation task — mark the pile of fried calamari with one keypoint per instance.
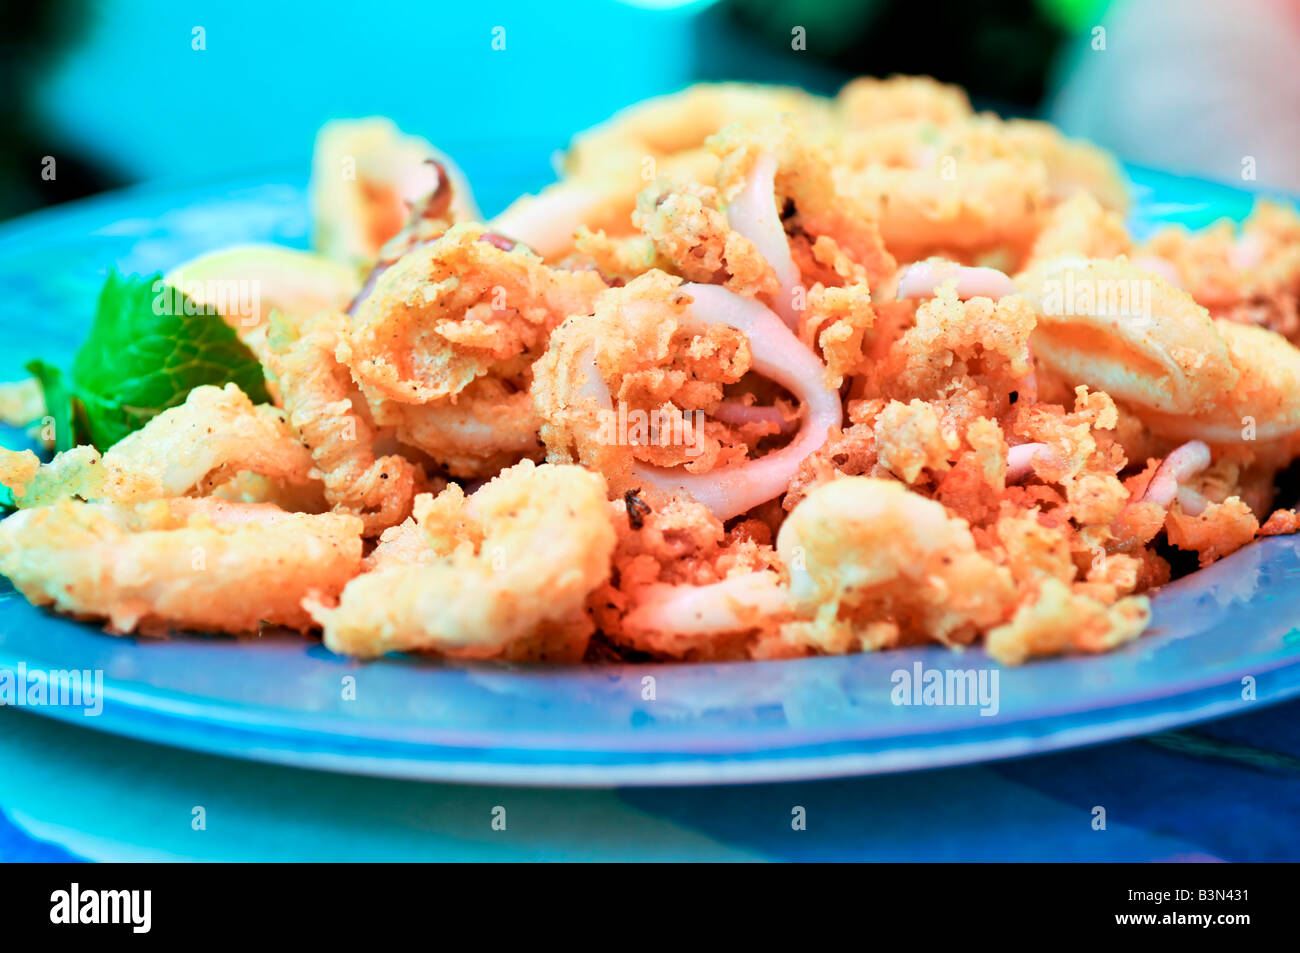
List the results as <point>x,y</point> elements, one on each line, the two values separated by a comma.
<point>764,375</point>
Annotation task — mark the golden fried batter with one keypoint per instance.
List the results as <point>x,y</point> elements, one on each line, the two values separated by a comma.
<point>812,375</point>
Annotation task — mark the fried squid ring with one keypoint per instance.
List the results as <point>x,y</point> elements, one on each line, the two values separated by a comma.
<point>457,309</point>
<point>514,561</point>
<point>547,222</point>
<point>679,124</point>
<point>993,205</point>
<point>208,565</point>
<point>1118,328</point>
<point>324,408</point>
<point>484,429</point>
<point>753,213</point>
<point>366,177</point>
<point>187,449</point>
<point>573,417</point>
<point>1264,403</point>
<point>861,551</point>
<point>783,198</point>
<point>745,601</point>
<point>609,164</point>
<point>923,278</point>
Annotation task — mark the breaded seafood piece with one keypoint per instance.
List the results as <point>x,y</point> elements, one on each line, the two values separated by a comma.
<point>642,345</point>
<point>458,309</point>
<point>1263,404</point>
<point>1060,619</point>
<point>328,414</point>
<point>607,165</point>
<point>366,176</point>
<point>1115,326</point>
<point>781,193</point>
<point>967,186</point>
<point>203,564</point>
<point>485,428</point>
<point>187,449</point>
<point>993,205</point>
<point>1118,328</point>
<point>774,228</point>
<point>689,235</point>
<point>511,563</point>
<point>666,126</point>
<point>979,345</point>
<point>684,587</point>
<point>1081,227</point>
<point>1251,275</point>
<point>873,564</point>
<point>867,101</point>
<point>662,346</point>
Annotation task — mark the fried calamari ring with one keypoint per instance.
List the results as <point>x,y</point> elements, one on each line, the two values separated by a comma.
<point>679,123</point>
<point>607,165</point>
<point>864,552</point>
<point>187,449</point>
<point>968,186</point>
<point>485,428</point>
<point>327,413</point>
<point>994,205</point>
<point>463,316</point>
<point>867,101</point>
<point>1251,276</point>
<point>736,604</point>
<point>666,364</point>
<point>782,196</point>
<point>457,309</point>
<point>1124,330</point>
<point>572,392</point>
<point>1262,404</point>
<point>774,229</point>
<point>366,176</point>
<point>514,561</point>
<point>689,235</point>
<point>208,565</point>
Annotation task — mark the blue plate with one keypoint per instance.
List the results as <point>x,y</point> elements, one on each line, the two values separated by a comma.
<point>1223,640</point>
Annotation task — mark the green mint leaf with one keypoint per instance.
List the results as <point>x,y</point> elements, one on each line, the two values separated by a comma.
<point>148,347</point>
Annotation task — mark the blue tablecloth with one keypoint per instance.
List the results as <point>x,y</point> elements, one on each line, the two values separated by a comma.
<point>1229,790</point>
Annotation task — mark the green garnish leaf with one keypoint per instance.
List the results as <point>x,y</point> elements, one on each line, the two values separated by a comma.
<point>58,405</point>
<point>148,347</point>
